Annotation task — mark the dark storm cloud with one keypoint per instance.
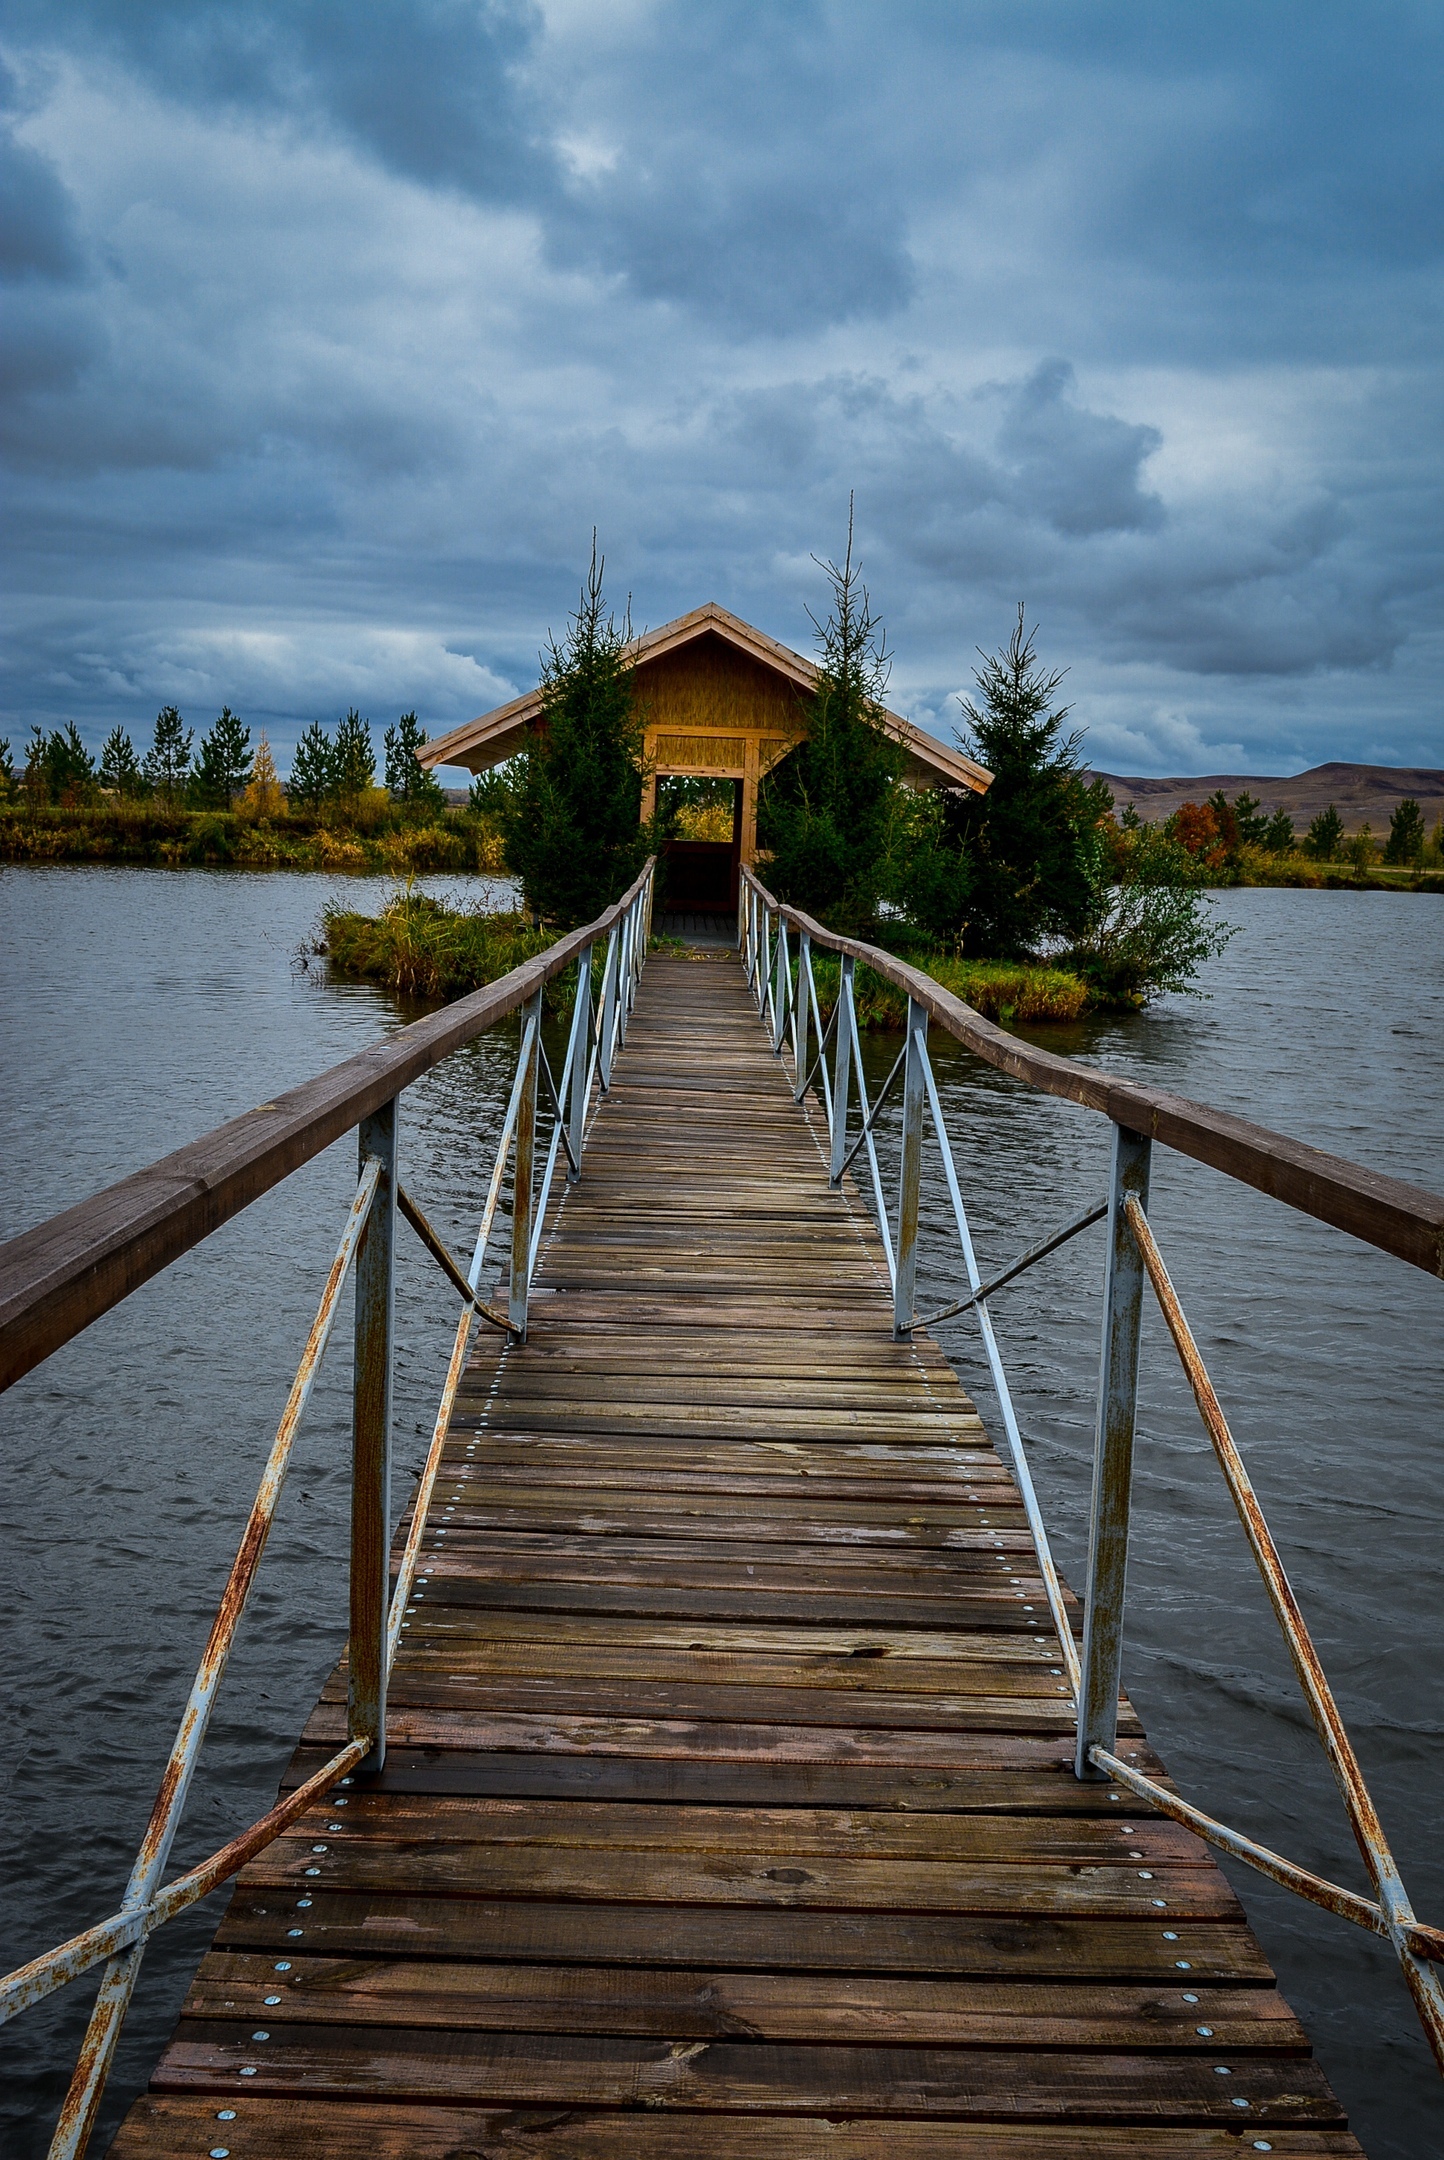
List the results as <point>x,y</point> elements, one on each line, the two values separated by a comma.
<point>1008,507</point>
<point>38,238</point>
<point>715,197</point>
<point>330,332</point>
<point>49,331</point>
<point>1081,469</point>
<point>429,87</point>
<point>724,161</point>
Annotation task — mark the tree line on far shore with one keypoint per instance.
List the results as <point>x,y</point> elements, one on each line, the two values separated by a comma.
<point>329,773</point>
<point>1233,839</point>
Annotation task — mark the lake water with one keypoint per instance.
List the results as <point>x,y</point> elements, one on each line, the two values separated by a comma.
<point>144,1007</point>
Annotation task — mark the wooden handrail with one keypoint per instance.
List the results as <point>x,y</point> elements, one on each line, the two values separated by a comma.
<point>1405,1220</point>
<point>58,1277</point>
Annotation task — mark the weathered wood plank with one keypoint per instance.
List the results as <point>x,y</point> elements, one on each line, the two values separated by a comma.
<point>478,1657</point>
<point>779,1879</point>
<point>1047,1788</point>
<point>461,1695</point>
<point>632,1732</point>
<point>728,2076</point>
<point>910,1649</point>
<point>1153,1843</point>
<point>718,2005</point>
<point>177,2127</point>
<point>1005,1945</point>
<point>1000,1573</point>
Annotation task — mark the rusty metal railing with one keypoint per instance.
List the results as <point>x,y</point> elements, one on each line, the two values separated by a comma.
<point>75,1261</point>
<point>1401,1219</point>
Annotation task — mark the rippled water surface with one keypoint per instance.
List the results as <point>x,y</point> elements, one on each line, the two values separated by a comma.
<point>143,1007</point>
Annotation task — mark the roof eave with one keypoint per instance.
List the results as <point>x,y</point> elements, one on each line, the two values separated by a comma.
<point>495,736</point>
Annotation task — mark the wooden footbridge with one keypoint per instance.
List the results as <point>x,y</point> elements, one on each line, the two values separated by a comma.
<point>721,1772</point>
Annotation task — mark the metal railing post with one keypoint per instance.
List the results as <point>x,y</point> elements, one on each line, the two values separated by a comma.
<point>576,1108</point>
<point>841,1069</point>
<point>636,953</point>
<point>782,979</point>
<point>624,980</point>
<point>1113,1456</point>
<point>371,1442</point>
<point>523,1162</point>
<point>607,1008</point>
<point>904,1289</point>
<point>799,1017</point>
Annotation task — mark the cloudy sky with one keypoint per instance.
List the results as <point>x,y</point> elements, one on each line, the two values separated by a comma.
<point>331,331</point>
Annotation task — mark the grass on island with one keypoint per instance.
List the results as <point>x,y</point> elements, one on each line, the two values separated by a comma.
<point>421,947</point>
<point>1002,990</point>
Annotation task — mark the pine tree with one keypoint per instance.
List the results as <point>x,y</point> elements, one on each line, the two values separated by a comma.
<point>1252,828</point>
<point>932,874</point>
<point>569,805</point>
<point>35,778</point>
<point>828,813</point>
<point>1405,843</point>
<point>353,768</point>
<point>119,766</point>
<point>312,780</point>
<point>224,765</point>
<point>72,767</point>
<point>1033,837</point>
<point>168,760</point>
<point>1325,836</point>
<point>408,781</point>
<point>58,767</point>
<point>1279,834</point>
<point>263,797</point>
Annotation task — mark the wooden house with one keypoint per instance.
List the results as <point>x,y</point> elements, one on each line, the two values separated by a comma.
<point>720,701</point>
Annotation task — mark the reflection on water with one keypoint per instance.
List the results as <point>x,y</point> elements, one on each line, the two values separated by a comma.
<point>145,1007</point>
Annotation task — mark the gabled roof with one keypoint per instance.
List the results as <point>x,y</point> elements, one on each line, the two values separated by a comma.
<point>495,736</point>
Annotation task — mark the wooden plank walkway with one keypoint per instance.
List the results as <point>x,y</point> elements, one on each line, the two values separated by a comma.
<point>728,1809</point>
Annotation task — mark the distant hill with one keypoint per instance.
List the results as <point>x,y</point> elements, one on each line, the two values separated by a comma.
<point>1358,792</point>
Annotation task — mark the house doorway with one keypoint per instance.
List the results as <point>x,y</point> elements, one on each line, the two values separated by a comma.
<point>700,864</point>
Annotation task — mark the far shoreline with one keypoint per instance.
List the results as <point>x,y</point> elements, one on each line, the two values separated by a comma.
<point>452,839</point>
